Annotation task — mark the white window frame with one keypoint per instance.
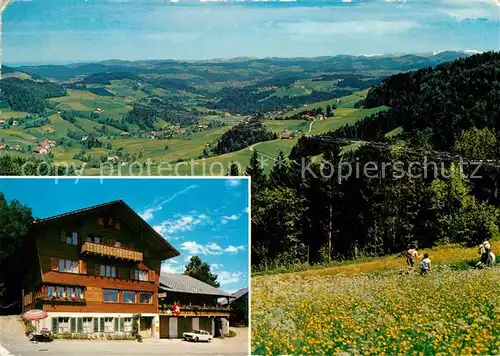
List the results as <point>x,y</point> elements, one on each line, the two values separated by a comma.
<point>63,325</point>
<point>127,327</point>
<point>108,325</point>
<point>87,325</point>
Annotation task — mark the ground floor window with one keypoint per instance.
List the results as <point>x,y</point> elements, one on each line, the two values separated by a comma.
<point>108,325</point>
<point>128,325</point>
<point>87,326</point>
<point>63,325</point>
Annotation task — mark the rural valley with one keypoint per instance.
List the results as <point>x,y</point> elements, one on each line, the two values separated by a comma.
<point>209,114</point>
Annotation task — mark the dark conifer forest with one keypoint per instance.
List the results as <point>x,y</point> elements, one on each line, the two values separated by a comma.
<point>305,212</point>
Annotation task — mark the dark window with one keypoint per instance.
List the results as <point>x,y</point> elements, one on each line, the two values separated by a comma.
<point>128,297</point>
<point>145,297</point>
<point>110,295</point>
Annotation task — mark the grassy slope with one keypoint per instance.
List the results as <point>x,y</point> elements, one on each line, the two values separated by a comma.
<point>379,306</point>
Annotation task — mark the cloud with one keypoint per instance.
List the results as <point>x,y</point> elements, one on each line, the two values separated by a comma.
<point>227,218</point>
<point>225,277</point>
<point>234,249</point>
<point>372,27</point>
<point>182,223</point>
<point>172,267</point>
<point>216,266</point>
<point>212,248</point>
<point>148,213</point>
<point>246,210</point>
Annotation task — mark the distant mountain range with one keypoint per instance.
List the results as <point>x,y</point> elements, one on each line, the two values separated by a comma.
<point>257,66</point>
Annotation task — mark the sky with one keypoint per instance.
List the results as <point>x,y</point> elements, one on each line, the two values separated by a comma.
<point>204,217</point>
<point>59,31</point>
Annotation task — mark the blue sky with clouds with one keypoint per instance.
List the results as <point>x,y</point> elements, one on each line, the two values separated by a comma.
<point>87,30</point>
<point>204,217</point>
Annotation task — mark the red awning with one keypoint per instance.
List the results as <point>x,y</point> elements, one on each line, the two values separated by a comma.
<point>34,314</point>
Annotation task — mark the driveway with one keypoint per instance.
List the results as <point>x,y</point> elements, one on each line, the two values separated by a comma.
<point>14,343</point>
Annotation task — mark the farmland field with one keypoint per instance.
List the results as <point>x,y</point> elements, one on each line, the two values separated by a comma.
<point>380,307</point>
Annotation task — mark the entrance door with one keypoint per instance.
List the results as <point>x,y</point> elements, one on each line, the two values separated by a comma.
<point>184,325</point>
<point>164,327</point>
<point>206,324</point>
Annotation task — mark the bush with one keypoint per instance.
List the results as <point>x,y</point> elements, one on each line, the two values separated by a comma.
<point>135,327</point>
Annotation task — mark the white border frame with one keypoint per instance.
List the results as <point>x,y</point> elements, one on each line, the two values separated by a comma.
<point>249,187</point>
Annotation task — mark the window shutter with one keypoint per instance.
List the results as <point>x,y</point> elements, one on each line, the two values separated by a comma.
<point>72,325</point>
<point>97,270</point>
<point>122,324</point>
<point>101,324</point>
<point>79,325</point>
<point>62,236</point>
<point>83,267</point>
<point>55,325</point>
<point>96,325</point>
<point>152,276</point>
<point>100,221</point>
<point>54,264</point>
<point>116,320</point>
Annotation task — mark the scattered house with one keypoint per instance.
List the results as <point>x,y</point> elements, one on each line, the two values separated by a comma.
<point>2,122</point>
<point>59,113</point>
<point>40,150</point>
<point>155,134</point>
<point>85,138</point>
<point>308,117</point>
<point>99,110</point>
<point>320,117</point>
<point>198,306</point>
<point>239,307</point>
<point>287,135</point>
<point>18,148</point>
<point>48,144</point>
<point>91,270</point>
<point>113,159</point>
<point>124,133</point>
<point>203,126</point>
<point>15,123</point>
<point>207,145</point>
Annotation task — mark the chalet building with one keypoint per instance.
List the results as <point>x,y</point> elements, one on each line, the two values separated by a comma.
<point>40,150</point>
<point>198,307</point>
<point>93,268</point>
<point>239,307</point>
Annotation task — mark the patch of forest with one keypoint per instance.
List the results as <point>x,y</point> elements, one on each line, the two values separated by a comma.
<point>243,135</point>
<point>29,96</point>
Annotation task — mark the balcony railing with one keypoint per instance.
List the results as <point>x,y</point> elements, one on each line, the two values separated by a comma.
<point>111,251</point>
<point>197,308</point>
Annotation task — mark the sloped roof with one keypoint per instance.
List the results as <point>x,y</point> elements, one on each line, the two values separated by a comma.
<point>181,283</point>
<point>133,219</point>
<point>236,295</point>
<point>240,293</point>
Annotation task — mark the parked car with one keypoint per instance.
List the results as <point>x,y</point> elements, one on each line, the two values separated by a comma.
<point>197,335</point>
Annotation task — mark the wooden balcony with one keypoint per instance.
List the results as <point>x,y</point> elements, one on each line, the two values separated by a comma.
<point>111,251</point>
<point>197,310</point>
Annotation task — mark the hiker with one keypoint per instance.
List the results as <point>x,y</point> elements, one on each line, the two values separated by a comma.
<point>411,256</point>
<point>484,251</point>
<point>490,259</point>
<point>425,265</point>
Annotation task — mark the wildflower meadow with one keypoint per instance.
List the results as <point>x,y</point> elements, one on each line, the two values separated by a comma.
<point>380,307</point>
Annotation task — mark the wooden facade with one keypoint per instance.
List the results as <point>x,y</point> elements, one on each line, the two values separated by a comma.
<point>103,259</point>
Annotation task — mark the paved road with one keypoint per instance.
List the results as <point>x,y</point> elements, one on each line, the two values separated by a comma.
<point>15,343</point>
